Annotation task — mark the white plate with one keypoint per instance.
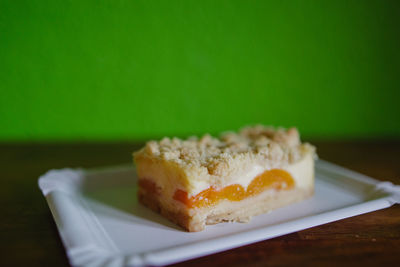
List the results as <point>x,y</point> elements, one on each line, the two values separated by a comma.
<point>101,223</point>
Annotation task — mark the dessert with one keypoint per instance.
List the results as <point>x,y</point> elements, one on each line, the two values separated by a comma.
<point>208,180</point>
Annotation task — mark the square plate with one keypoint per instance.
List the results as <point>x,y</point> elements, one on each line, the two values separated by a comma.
<point>102,224</point>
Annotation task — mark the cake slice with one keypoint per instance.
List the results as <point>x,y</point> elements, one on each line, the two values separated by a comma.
<point>208,180</point>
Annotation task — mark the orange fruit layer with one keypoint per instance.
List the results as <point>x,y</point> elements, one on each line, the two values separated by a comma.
<point>273,179</point>
<point>149,186</point>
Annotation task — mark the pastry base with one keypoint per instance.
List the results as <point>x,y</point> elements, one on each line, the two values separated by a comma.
<point>195,219</point>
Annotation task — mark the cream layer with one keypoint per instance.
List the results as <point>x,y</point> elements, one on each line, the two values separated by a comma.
<point>169,178</point>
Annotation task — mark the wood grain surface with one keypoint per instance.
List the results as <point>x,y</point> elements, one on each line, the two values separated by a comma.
<point>29,236</point>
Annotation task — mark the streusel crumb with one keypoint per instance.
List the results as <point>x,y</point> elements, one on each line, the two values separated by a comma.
<point>218,157</point>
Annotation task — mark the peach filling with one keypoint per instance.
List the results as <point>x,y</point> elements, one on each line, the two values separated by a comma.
<point>149,186</point>
<point>272,179</point>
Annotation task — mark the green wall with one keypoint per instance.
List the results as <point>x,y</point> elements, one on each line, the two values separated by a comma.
<point>124,70</point>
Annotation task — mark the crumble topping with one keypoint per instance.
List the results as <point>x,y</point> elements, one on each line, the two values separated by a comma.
<point>215,158</point>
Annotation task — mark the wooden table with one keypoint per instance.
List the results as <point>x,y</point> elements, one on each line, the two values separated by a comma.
<point>29,236</point>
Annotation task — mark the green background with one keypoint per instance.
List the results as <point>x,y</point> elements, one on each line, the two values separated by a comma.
<point>126,70</point>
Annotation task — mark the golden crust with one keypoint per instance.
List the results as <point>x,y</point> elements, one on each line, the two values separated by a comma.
<point>194,220</point>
